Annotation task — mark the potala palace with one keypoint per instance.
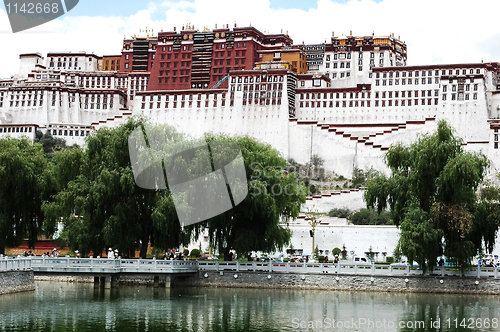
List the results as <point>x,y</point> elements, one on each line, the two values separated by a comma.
<point>346,101</point>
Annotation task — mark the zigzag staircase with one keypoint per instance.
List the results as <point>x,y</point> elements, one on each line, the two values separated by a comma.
<point>110,121</point>
<point>368,139</point>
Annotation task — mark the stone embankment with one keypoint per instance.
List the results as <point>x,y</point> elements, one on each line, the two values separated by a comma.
<point>129,280</point>
<point>16,281</point>
<point>423,284</point>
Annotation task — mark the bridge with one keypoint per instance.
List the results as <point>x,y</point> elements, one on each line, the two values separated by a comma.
<point>106,271</point>
<point>111,266</point>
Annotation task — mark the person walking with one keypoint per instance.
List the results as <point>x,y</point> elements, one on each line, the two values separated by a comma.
<point>111,254</point>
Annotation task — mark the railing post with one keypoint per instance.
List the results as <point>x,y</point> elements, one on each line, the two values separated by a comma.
<point>254,266</point>
<point>355,268</point>
<point>407,270</point>
<point>304,267</point>
<point>495,272</point>
<point>237,265</point>
<point>287,267</point>
<point>270,266</point>
<point>217,266</point>
<point>373,269</point>
<point>478,271</point>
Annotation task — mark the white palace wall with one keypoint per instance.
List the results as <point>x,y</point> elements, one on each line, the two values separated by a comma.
<point>268,124</point>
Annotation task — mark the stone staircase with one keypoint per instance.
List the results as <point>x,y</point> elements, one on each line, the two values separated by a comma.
<point>113,121</point>
<point>374,135</point>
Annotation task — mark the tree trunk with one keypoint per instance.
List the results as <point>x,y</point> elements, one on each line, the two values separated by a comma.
<point>227,255</point>
<point>145,244</point>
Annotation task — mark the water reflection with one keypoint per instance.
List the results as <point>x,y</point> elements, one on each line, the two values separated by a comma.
<point>80,307</point>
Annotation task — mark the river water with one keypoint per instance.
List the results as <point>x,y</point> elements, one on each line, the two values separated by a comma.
<point>57,306</point>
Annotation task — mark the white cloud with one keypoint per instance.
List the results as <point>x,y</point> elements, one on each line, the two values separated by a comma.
<point>443,31</point>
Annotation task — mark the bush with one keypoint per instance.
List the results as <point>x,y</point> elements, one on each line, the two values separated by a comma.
<point>340,213</point>
<point>195,253</point>
<point>336,251</point>
<point>313,189</point>
<point>389,259</point>
<point>371,217</point>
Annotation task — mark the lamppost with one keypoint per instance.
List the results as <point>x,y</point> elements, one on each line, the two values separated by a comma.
<point>313,221</point>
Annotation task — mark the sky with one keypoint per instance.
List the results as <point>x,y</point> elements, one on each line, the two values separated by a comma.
<point>435,31</point>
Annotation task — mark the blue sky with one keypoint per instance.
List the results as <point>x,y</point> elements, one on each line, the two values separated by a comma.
<point>125,8</point>
<point>432,36</point>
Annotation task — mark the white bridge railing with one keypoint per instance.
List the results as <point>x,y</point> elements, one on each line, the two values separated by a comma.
<point>66,264</point>
<point>9,264</point>
<point>89,265</point>
<point>344,268</point>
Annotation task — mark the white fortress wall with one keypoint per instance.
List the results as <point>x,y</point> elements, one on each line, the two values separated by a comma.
<point>265,123</point>
<point>356,238</point>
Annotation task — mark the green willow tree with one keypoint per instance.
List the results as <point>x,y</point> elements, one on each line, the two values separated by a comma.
<point>103,207</point>
<point>26,183</point>
<point>273,198</point>
<point>432,196</point>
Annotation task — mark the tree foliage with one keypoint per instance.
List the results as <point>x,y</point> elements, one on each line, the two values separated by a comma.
<point>103,207</point>
<point>360,176</point>
<point>304,174</point>
<point>26,182</point>
<point>273,197</point>
<point>49,143</point>
<point>432,196</point>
